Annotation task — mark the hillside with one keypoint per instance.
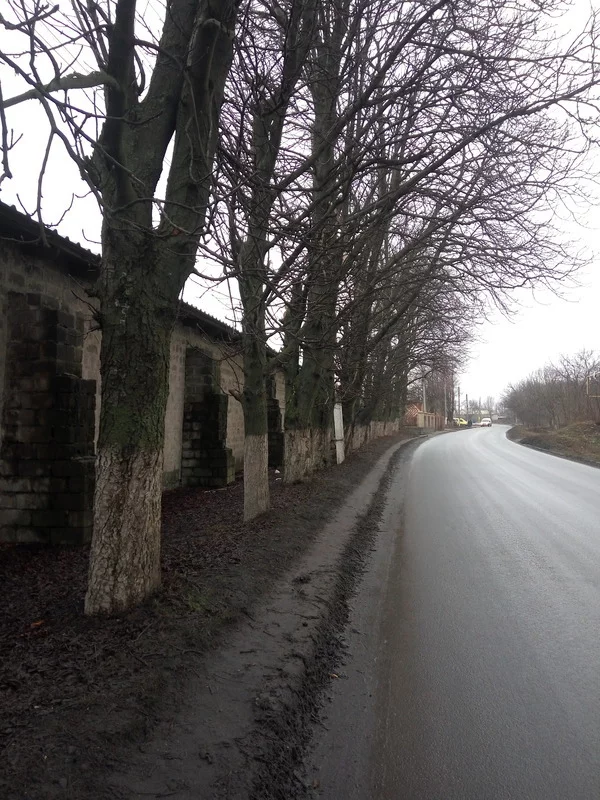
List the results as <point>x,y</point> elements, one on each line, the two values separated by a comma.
<point>579,441</point>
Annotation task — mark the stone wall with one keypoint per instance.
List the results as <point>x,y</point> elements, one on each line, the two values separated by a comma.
<point>56,345</point>
<point>362,434</point>
<point>47,448</point>
<point>205,458</point>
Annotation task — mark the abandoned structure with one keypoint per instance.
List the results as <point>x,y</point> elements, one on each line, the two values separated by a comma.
<point>50,390</point>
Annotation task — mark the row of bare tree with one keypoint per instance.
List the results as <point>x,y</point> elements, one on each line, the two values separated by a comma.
<point>371,174</point>
<point>558,394</point>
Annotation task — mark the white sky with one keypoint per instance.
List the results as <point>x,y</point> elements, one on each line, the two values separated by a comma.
<point>540,330</point>
<point>543,326</point>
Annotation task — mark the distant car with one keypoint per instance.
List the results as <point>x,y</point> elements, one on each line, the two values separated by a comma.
<point>460,422</point>
<point>486,422</point>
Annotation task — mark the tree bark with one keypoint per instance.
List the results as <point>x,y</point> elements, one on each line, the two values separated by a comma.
<point>256,475</point>
<point>267,128</point>
<point>256,445</point>
<point>138,313</point>
<point>144,270</point>
<point>310,410</point>
<point>125,555</point>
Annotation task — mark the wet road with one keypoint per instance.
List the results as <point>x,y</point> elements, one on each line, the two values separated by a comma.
<point>473,666</point>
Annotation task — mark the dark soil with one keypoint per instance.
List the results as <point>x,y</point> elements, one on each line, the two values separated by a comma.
<point>76,692</point>
<point>279,775</point>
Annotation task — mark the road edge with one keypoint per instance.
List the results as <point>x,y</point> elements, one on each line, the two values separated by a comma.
<point>289,730</point>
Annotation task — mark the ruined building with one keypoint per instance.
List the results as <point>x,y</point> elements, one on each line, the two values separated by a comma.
<point>50,398</point>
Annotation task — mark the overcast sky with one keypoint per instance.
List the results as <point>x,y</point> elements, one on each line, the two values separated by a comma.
<point>542,327</point>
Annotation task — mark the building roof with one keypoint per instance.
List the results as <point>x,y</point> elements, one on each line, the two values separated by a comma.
<point>26,232</point>
<point>21,229</point>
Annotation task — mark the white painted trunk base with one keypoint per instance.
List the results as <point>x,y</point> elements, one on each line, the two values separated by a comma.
<point>125,553</point>
<point>256,475</point>
<point>305,452</point>
<point>338,430</point>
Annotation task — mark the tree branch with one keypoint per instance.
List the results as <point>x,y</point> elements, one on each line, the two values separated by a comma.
<point>73,81</point>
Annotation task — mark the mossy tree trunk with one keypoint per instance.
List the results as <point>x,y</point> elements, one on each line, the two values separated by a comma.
<point>309,409</point>
<point>138,313</point>
<point>144,268</point>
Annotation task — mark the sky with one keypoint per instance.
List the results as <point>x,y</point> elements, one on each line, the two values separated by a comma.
<point>541,328</point>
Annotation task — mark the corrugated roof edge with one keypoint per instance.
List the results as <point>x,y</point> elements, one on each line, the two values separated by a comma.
<point>189,314</point>
<point>19,228</point>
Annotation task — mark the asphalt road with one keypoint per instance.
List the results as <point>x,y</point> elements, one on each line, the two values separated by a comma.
<point>473,660</point>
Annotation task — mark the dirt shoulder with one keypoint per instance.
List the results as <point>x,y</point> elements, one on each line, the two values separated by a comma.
<point>578,442</point>
<point>78,695</point>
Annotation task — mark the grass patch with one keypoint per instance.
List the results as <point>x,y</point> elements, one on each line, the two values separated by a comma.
<point>579,441</point>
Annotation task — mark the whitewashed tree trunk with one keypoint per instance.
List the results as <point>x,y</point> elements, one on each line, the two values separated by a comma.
<point>125,555</point>
<point>256,475</point>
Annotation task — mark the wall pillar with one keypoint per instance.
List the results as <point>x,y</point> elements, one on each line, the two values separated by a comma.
<point>275,427</point>
<point>47,445</point>
<point>205,458</point>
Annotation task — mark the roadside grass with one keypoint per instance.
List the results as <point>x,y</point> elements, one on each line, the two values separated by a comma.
<point>579,441</point>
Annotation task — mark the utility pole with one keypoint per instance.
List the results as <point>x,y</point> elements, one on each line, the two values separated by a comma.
<point>467,405</point>
<point>458,388</point>
<point>424,396</point>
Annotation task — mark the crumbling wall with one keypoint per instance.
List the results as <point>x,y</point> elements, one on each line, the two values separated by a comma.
<point>205,458</point>
<point>360,435</point>
<point>47,447</point>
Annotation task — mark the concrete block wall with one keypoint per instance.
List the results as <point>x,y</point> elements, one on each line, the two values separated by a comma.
<point>363,434</point>
<point>205,458</point>
<point>231,377</point>
<point>47,448</point>
<point>40,273</point>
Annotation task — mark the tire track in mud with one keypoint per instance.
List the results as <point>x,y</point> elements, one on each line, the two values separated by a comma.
<point>241,732</point>
<point>284,730</point>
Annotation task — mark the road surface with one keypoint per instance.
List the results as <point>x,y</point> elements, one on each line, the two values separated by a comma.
<point>473,660</point>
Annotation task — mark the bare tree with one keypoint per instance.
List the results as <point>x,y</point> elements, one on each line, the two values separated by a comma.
<point>269,61</point>
<point>458,123</point>
<point>386,170</point>
<point>557,394</point>
<point>156,92</point>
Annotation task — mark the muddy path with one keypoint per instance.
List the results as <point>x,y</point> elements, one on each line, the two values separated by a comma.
<point>209,691</point>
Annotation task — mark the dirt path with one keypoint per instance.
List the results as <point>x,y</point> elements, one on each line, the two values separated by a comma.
<point>206,692</point>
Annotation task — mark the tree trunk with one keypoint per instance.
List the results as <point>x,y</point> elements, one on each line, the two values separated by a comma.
<point>309,412</point>
<point>136,336</point>
<point>256,426</point>
<point>125,556</point>
<point>256,475</point>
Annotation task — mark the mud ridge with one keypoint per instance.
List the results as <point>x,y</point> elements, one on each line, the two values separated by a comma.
<point>287,732</point>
